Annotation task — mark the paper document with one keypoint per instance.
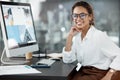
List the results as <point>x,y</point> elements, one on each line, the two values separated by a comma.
<point>17,69</point>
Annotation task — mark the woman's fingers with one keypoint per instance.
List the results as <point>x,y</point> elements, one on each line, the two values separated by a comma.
<point>76,29</point>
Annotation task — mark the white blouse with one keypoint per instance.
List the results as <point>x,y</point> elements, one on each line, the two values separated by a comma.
<point>96,49</point>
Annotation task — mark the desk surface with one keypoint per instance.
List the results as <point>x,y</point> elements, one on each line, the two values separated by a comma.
<point>58,71</point>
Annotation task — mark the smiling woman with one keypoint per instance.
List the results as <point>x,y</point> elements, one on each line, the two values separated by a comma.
<point>92,48</point>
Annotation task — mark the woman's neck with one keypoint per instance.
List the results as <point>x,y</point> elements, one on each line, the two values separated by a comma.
<point>84,31</point>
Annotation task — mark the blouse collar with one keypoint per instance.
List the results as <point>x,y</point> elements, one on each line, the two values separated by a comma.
<point>90,32</point>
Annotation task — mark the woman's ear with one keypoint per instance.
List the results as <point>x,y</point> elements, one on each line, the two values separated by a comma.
<point>90,19</point>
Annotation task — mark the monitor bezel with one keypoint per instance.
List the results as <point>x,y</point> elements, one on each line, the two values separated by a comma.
<point>18,4</point>
<point>28,46</point>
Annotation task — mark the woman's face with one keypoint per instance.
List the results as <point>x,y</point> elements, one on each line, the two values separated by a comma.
<point>81,17</point>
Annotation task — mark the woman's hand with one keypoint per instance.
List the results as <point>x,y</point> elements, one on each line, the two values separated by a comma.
<point>109,75</point>
<point>73,31</point>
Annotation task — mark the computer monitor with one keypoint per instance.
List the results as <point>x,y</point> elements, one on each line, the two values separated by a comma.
<point>17,28</point>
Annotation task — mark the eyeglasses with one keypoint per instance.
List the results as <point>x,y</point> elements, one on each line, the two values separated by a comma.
<point>81,15</point>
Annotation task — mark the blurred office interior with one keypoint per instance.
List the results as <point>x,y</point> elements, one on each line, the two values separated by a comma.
<point>52,20</point>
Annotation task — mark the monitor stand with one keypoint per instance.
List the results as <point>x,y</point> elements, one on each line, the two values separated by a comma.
<point>6,60</point>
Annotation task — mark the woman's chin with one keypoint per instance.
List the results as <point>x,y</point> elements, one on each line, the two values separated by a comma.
<point>79,27</point>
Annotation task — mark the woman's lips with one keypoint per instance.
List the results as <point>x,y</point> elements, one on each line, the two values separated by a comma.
<point>79,23</point>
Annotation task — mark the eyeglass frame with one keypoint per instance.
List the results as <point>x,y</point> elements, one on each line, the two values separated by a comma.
<point>81,17</point>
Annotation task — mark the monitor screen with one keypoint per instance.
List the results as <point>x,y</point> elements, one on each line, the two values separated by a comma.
<point>18,28</point>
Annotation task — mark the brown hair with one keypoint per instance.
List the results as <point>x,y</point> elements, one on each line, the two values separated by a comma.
<point>88,7</point>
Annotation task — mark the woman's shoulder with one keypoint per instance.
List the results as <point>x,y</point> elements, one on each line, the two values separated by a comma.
<point>100,34</point>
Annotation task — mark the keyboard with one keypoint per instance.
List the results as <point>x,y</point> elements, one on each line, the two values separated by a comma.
<point>48,62</point>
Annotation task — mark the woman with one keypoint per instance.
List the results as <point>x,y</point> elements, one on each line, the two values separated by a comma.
<point>92,48</point>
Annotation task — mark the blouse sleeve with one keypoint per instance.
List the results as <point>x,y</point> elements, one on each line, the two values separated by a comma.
<point>69,57</point>
<point>111,50</point>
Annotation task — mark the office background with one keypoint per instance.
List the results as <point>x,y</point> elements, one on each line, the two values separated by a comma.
<point>53,21</point>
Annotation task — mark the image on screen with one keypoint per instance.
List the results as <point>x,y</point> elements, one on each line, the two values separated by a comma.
<point>19,25</point>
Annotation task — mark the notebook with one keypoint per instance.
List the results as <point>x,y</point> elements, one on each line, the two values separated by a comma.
<point>17,69</point>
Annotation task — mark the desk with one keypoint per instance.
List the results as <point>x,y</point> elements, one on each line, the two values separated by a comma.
<point>58,71</point>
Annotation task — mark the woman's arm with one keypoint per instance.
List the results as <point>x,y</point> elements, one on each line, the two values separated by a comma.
<point>112,51</point>
<point>72,33</point>
<point>68,43</point>
<point>69,49</point>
